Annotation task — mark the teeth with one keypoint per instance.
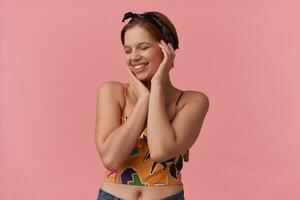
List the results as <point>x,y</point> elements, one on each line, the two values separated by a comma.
<point>139,66</point>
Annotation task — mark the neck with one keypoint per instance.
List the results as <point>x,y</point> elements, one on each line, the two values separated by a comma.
<point>167,86</point>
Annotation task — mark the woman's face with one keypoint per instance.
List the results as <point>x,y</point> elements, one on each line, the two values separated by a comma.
<point>140,49</point>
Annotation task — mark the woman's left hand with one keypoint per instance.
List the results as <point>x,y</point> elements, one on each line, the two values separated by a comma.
<point>166,65</point>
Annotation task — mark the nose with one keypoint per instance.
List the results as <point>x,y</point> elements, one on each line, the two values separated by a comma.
<point>135,56</point>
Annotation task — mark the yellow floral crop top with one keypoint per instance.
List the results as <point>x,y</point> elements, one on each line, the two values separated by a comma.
<point>139,169</point>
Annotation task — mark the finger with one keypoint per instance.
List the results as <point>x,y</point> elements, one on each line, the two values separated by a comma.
<point>127,70</point>
<point>172,49</point>
<point>165,54</point>
<point>129,75</point>
<point>133,79</point>
<point>171,46</point>
<point>163,43</point>
<point>167,46</point>
<point>166,50</point>
<point>167,57</point>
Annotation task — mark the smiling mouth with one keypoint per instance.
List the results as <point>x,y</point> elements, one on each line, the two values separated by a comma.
<point>139,68</point>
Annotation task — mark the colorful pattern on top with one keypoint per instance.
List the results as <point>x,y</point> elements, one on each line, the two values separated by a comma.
<point>139,169</point>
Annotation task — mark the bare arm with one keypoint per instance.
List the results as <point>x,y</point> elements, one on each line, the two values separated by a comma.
<point>165,139</point>
<point>160,132</point>
<point>114,140</point>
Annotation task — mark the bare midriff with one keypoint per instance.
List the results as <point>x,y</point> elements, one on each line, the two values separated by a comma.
<point>132,192</point>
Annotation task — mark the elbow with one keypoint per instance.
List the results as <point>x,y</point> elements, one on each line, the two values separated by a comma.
<point>163,155</point>
<point>110,167</point>
<point>110,163</point>
<point>157,157</point>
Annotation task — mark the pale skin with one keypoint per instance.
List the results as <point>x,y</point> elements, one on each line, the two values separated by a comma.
<point>151,92</point>
<point>166,140</point>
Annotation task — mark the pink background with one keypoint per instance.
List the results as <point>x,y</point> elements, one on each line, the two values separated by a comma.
<point>244,55</point>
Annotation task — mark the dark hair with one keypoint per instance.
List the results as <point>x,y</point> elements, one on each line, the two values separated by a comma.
<point>151,28</point>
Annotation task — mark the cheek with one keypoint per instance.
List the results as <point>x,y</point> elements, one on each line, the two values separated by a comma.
<point>157,56</point>
<point>154,65</point>
<point>127,60</point>
<point>156,60</point>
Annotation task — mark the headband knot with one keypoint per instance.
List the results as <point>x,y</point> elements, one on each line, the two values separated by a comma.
<point>129,15</point>
<point>156,22</point>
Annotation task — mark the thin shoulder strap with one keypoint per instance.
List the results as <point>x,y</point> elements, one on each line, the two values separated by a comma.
<point>175,107</point>
<point>186,154</point>
<point>179,98</point>
<point>125,98</point>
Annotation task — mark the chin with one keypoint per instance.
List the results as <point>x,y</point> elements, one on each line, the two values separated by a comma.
<point>143,77</point>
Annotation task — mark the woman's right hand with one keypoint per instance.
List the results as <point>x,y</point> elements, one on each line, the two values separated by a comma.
<point>140,90</point>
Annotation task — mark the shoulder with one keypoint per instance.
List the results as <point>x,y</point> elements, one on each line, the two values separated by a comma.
<point>201,98</point>
<point>114,89</point>
<point>192,96</point>
<point>112,86</point>
<point>195,98</point>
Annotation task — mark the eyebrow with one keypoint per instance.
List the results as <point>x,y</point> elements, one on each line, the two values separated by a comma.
<point>138,44</point>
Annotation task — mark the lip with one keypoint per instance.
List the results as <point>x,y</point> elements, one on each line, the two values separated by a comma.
<point>141,69</point>
<point>140,64</point>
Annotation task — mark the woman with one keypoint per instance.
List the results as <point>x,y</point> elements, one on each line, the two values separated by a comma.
<point>140,141</point>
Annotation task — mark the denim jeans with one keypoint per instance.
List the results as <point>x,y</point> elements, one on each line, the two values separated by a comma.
<point>103,195</point>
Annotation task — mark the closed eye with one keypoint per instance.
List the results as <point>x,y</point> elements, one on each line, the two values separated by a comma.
<point>143,48</point>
